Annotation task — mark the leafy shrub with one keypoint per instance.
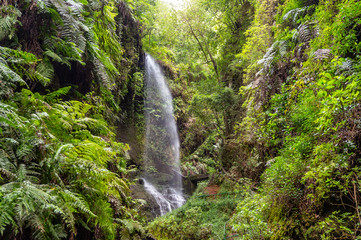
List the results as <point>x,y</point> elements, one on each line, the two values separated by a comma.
<point>250,217</point>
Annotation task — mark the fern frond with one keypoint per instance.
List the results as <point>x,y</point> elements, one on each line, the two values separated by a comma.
<point>14,64</point>
<point>7,23</point>
<point>8,174</point>
<point>25,151</point>
<point>6,216</point>
<point>131,226</point>
<point>304,33</point>
<point>5,161</point>
<point>9,76</point>
<point>62,51</point>
<point>293,15</point>
<point>108,64</point>
<point>347,65</point>
<point>278,48</point>
<point>68,216</point>
<point>9,118</point>
<point>44,72</point>
<point>102,74</point>
<point>36,223</point>
<point>17,56</point>
<point>70,13</point>
<point>321,54</point>
<point>77,202</point>
<point>53,96</point>
<point>55,57</point>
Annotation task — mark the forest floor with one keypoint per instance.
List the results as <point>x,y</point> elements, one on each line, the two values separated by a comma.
<point>212,189</point>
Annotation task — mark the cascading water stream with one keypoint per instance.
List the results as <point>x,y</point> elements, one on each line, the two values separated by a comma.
<point>162,178</point>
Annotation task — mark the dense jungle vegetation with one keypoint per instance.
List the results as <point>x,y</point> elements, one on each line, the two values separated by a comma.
<point>267,102</point>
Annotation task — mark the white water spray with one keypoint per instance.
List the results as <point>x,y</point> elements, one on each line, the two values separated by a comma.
<point>162,177</point>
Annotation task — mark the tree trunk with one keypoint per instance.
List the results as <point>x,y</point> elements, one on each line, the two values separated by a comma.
<point>205,52</point>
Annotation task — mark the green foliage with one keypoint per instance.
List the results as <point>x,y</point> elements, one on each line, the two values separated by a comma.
<point>200,218</point>
<point>293,128</point>
<point>56,166</point>
<point>62,173</point>
<point>297,65</point>
<point>340,33</point>
<point>9,18</point>
<point>15,66</point>
<point>84,38</point>
<point>250,220</point>
<point>343,225</point>
<point>305,124</point>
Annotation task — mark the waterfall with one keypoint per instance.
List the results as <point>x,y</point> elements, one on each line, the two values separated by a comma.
<point>162,177</point>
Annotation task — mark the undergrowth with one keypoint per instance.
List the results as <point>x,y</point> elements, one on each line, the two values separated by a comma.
<point>202,217</point>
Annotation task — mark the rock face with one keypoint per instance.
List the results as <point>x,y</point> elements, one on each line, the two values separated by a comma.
<point>151,208</point>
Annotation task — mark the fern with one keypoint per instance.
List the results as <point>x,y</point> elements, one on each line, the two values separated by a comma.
<point>28,205</point>
<point>305,34</point>
<point>321,54</point>
<point>57,58</point>
<point>44,72</point>
<point>53,96</point>
<point>9,117</point>
<point>6,216</point>
<point>76,150</point>
<point>294,15</point>
<point>8,22</point>
<point>105,220</point>
<point>130,228</point>
<point>62,51</point>
<point>347,65</point>
<point>96,38</point>
<point>16,65</point>
<point>8,79</point>
<point>278,49</point>
<point>306,31</point>
<point>21,148</point>
<point>102,74</point>
<point>17,56</point>
<point>68,15</point>
<point>75,201</point>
